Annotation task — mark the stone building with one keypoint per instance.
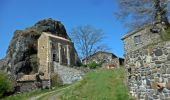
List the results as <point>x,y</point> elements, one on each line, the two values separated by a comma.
<point>108,60</point>
<point>55,55</point>
<point>147,61</point>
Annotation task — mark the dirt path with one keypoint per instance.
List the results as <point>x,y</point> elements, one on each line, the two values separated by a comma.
<point>52,97</point>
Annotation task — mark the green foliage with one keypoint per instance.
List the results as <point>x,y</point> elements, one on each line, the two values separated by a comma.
<point>93,65</point>
<point>166,35</point>
<point>55,80</point>
<point>79,63</point>
<point>84,65</point>
<point>5,83</point>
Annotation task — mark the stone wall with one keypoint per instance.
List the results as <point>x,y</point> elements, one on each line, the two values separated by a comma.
<point>27,86</point>
<point>148,72</point>
<point>68,75</point>
<point>147,38</point>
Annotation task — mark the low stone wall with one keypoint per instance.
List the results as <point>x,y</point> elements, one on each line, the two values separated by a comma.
<point>27,86</point>
<point>148,72</point>
<point>68,75</point>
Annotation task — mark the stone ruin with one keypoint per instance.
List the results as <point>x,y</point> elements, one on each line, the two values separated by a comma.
<point>38,52</point>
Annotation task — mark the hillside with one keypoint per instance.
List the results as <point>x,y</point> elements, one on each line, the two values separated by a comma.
<point>98,85</point>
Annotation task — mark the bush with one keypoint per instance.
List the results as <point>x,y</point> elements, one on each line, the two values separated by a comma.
<point>84,65</point>
<point>79,63</point>
<point>5,83</point>
<point>56,80</point>
<point>93,65</point>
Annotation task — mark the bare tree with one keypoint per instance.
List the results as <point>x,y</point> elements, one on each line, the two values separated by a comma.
<point>88,40</point>
<point>136,13</point>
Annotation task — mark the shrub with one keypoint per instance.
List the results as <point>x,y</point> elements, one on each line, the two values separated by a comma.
<point>56,80</point>
<point>93,65</point>
<point>84,65</point>
<point>5,83</point>
<point>79,63</point>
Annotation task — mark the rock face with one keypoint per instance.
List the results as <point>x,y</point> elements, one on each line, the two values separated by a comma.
<point>21,57</point>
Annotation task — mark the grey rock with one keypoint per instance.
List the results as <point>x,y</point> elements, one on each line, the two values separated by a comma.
<point>168,57</point>
<point>158,52</point>
<point>168,71</point>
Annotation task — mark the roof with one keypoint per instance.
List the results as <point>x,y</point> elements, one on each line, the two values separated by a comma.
<point>135,31</point>
<point>113,55</point>
<point>54,36</point>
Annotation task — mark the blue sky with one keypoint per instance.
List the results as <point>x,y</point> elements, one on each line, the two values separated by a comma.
<point>20,14</point>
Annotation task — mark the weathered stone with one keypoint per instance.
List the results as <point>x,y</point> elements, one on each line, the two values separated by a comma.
<point>158,52</point>
<point>166,52</point>
<point>154,58</point>
<point>168,57</point>
<point>167,63</point>
<point>162,97</point>
<point>155,97</point>
<point>168,71</point>
<point>158,65</point>
<point>168,84</point>
<point>139,58</point>
<point>158,62</point>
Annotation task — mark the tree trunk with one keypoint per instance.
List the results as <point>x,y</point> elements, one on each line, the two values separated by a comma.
<point>161,13</point>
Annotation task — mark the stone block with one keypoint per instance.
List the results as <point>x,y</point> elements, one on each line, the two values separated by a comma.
<point>158,52</point>
<point>153,85</point>
<point>168,84</point>
<point>168,71</point>
<point>168,57</point>
<point>158,62</point>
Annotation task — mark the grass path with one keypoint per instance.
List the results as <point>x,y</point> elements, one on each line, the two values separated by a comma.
<point>47,93</point>
<point>97,85</point>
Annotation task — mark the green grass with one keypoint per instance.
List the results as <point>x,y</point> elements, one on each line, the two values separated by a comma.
<point>24,96</point>
<point>99,85</point>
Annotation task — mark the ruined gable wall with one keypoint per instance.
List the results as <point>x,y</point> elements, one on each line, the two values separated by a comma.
<point>43,56</point>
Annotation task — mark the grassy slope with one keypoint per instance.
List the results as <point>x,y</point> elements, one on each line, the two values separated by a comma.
<point>99,85</point>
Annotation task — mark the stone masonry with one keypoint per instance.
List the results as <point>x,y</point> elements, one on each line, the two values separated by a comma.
<point>55,51</point>
<point>147,61</point>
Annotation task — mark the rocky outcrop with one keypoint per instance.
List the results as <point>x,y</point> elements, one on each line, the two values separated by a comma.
<point>2,63</point>
<point>21,58</point>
